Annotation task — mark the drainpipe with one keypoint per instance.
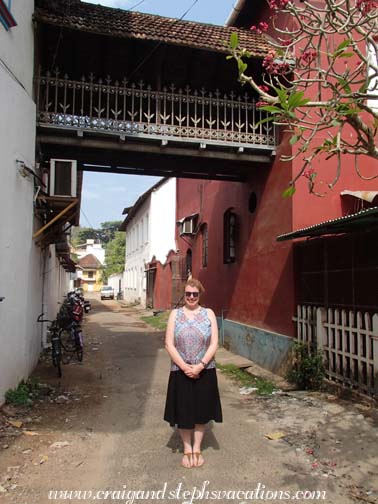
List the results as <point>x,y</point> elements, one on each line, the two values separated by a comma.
<point>235,12</point>
<point>222,322</point>
<point>43,333</point>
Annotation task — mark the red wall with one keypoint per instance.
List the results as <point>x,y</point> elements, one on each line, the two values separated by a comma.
<point>257,289</point>
<point>163,286</point>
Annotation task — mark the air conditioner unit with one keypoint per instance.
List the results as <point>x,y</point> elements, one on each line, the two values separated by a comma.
<point>63,178</point>
<point>187,226</point>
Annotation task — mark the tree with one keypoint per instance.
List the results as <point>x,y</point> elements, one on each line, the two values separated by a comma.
<point>104,234</point>
<point>115,255</point>
<point>80,235</point>
<point>108,230</point>
<point>326,95</point>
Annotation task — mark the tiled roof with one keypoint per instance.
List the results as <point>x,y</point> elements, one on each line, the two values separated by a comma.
<point>86,17</point>
<point>89,262</point>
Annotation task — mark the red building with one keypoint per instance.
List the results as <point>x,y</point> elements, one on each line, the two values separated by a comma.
<point>237,238</point>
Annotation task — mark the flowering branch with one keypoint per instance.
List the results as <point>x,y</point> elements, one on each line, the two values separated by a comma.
<point>320,79</point>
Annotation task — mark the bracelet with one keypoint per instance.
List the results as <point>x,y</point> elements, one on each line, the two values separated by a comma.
<point>203,364</point>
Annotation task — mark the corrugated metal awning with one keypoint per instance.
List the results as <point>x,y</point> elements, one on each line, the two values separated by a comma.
<point>191,216</point>
<point>363,195</point>
<point>348,224</point>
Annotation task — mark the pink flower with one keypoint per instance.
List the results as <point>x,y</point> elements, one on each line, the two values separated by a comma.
<point>278,4</point>
<point>263,27</point>
<point>308,56</point>
<point>366,6</point>
<point>309,173</point>
<point>264,88</point>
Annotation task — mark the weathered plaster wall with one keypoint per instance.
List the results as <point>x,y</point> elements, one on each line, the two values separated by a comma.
<point>21,261</point>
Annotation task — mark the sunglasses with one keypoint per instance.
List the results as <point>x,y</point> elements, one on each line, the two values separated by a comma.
<point>190,294</point>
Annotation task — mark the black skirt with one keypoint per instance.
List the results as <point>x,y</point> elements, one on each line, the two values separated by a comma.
<point>192,401</point>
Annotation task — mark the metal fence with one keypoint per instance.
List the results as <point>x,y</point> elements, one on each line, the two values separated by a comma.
<point>348,340</point>
<point>131,109</point>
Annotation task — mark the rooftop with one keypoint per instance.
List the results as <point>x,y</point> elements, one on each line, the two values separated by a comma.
<point>77,15</point>
<point>89,262</point>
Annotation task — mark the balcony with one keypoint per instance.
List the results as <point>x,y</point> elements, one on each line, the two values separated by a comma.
<point>136,111</point>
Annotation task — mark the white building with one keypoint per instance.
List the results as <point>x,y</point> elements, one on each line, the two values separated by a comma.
<point>150,232</point>
<point>25,267</point>
<point>91,247</point>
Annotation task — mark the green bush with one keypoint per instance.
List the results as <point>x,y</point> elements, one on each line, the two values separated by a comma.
<point>24,394</point>
<point>307,370</point>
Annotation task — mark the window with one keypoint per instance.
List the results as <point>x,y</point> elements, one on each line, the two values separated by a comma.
<point>229,236</point>
<point>252,202</point>
<point>204,245</point>
<point>90,274</point>
<point>188,263</point>
<point>6,18</point>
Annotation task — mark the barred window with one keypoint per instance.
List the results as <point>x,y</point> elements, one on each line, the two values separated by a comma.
<point>205,244</point>
<point>229,236</point>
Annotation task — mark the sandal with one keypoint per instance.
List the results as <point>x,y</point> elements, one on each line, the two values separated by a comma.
<point>197,456</point>
<point>188,456</point>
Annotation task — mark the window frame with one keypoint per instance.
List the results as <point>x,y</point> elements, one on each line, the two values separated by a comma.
<point>205,245</point>
<point>230,220</point>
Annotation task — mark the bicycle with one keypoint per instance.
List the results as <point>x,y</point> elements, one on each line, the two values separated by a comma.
<point>71,338</point>
<point>56,344</point>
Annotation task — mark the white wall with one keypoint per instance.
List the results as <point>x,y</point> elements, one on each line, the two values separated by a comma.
<point>17,44</point>
<point>150,233</point>
<point>114,280</point>
<point>95,249</point>
<point>163,220</point>
<point>21,261</point>
<point>138,239</point>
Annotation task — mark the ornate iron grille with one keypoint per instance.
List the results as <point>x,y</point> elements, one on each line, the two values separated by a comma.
<point>139,111</point>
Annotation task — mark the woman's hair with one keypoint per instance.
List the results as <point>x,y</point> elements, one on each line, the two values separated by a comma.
<point>193,282</point>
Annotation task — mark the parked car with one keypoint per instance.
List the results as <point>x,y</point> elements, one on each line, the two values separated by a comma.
<point>107,292</point>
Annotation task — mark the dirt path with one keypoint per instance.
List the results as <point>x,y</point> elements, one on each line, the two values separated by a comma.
<point>102,429</point>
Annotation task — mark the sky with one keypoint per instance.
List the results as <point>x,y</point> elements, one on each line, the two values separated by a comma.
<point>104,196</point>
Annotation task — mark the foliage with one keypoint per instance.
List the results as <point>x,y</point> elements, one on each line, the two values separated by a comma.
<point>319,80</point>
<point>80,235</point>
<point>108,231</point>
<point>24,394</point>
<point>307,368</point>
<point>264,387</point>
<point>104,234</point>
<point>115,255</point>
<point>158,321</point>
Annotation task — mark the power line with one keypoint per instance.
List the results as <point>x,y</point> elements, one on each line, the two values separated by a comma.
<point>154,49</point>
<point>86,218</point>
<point>136,5</point>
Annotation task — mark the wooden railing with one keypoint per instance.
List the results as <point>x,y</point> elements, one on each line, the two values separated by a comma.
<point>348,340</point>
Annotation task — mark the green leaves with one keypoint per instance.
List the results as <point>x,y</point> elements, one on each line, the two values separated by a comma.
<point>340,50</point>
<point>242,67</point>
<point>289,192</point>
<point>234,41</point>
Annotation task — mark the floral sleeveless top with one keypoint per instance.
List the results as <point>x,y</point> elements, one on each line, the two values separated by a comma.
<point>192,337</point>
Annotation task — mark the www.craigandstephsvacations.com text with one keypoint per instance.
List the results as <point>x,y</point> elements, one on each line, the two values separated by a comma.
<point>188,496</point>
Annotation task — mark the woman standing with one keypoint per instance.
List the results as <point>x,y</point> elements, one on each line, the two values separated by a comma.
<point>192,398</point>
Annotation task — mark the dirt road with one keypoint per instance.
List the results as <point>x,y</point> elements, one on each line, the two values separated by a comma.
<point>102,430</point>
